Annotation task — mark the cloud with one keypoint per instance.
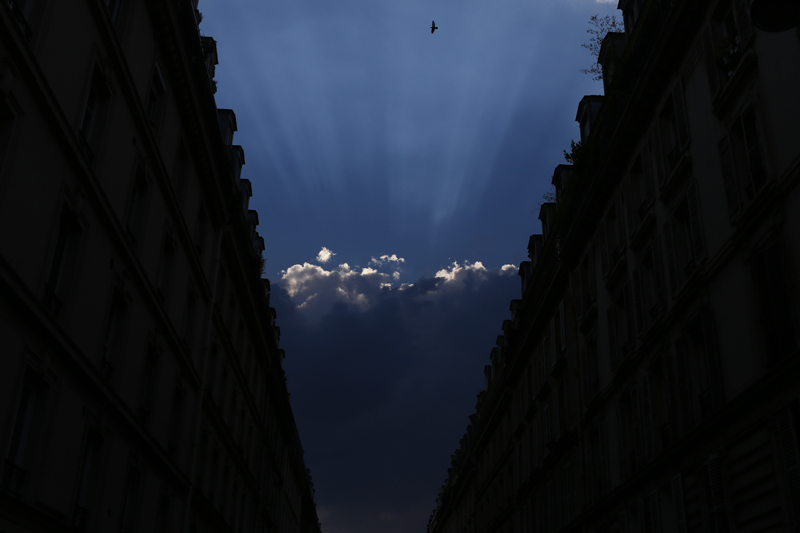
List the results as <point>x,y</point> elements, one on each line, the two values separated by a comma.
<point>384,259</point>
<point>383,377</point>
<point>325,255</point>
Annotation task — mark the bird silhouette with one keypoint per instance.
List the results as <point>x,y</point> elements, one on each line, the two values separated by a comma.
<point>434,27</point>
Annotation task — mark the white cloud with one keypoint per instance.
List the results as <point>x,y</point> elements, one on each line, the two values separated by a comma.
<point>456,272</point>
<point>384,259</point>
<point>315,290</point>
<point>325,255</point>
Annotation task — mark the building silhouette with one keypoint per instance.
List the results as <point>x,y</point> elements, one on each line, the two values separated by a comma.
<point>648,379</point>
<point>141,386</point>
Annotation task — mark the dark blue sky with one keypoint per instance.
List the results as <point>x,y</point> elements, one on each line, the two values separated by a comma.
<point>366,135</point>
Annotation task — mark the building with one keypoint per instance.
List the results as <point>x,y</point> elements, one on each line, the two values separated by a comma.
<point>648,379</point>
<point>141,386</point>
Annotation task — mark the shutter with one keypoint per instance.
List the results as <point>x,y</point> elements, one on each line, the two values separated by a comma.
<point>666,392</point>
<point>678,102</point>
<point>656,152</point>
<point>629,312</point>
<point>585,389</point>
<point>620,440</point>
<point>630,214</point>
<point>535,442</point>
<point>550,507</point>
<point>546,420</point>
<point>553,341</point>
<point>647,419</point>
<point>743,23</point>
<point>710,53</point>
<point>791,461</point>
<point>654,506</point>
<point>601,235</point>
<point>642,519</point>
<point>658,272</point>
<point>754,158</point>
<point>592,275</point>
<point>604,482</point>
<point>647,173</point>
<point>672,267</point>
<point>563,331</point>
<point>685,387</point>
<point>729,179</point>
<point>622,519</point>
<point>695,222</point>
<point>641,323</point>
<point>715,489</point>
<point>612,336</point>
<point>578,291</point>
<point>713,363</point>
<point>544,363</point>
<point>677,504</point>
<point>637,427</point>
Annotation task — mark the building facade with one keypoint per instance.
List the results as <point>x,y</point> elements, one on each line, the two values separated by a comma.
<point>648,379</point>
<point>141,386</point>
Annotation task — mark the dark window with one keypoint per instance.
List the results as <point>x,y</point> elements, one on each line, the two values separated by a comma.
<point>112,337</point>
<point>746,151</point>
<point>130,500</point>
<point>776,313</point>
<point>94,113</point>
<point>200,231</point>
<point>63,259</point>
<point>149,382</point>
<point>163,515</point>
<point>165,265</point>
<point>189,318</point>
<point>155,97</point>
<point>24,432</point>
<point>86,478</point>
<point>176,422</point>
<point>180,173</point>
<point>700,372</point>
<point>135,221</point>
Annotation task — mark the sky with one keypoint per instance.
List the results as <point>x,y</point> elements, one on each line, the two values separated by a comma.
<point>397,176</point>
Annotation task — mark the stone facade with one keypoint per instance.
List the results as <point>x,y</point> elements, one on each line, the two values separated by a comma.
<point>141,386</point>
<point>649,377</point>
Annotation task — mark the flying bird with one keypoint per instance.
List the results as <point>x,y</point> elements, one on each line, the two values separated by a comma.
<point>434,27</point>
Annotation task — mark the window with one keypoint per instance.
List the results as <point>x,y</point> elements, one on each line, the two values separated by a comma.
<point>155,97</point>
<point>775,309</point>
<point>189,318</point>
<point>113,333</point>
<point>200,231</point>
<point>8,115</point>
<point>176,422</point>
<point>163,514</point>
<point>622,336</point>
<point>700,371</point>
<point>648,280</point>
<point>684,239</point>
<point>180,173</point>
<point>135,220</point>
<point>149,382</point>
<point>113,7</point>
<point>24,432</point>
<point>130,499</point>
<point>86,478</point>
<point>164,271</point>
<point>90,132</point>
<point>62,262</point>
<point>742,161</point>
<point>563,407</point>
